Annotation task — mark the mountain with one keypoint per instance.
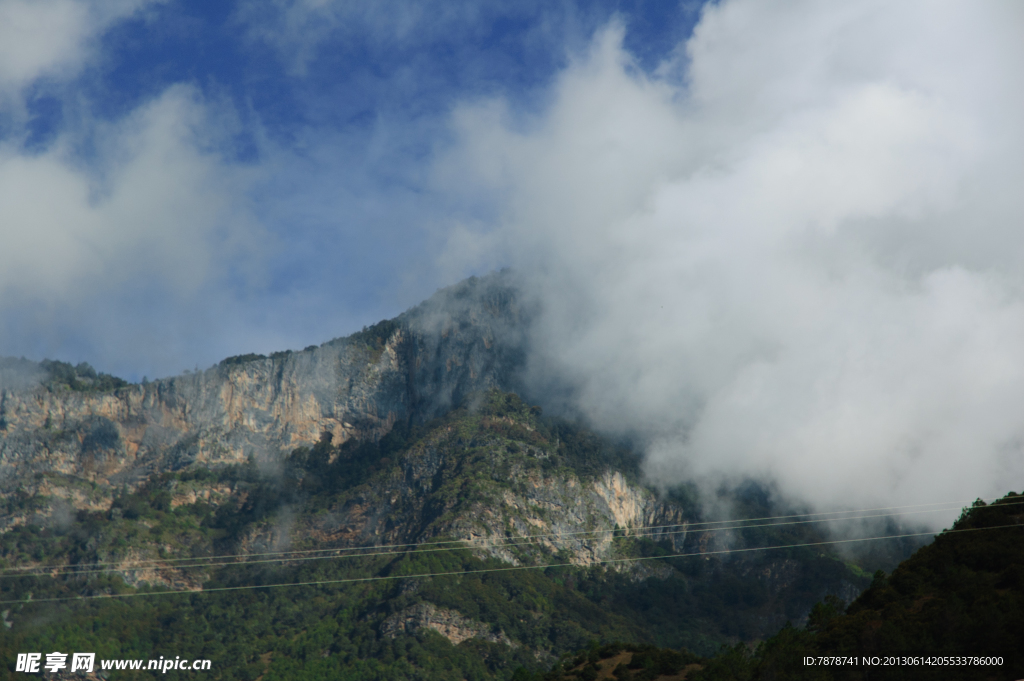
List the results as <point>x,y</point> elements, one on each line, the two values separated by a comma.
<point>61,439</point>
<point>381,506</point>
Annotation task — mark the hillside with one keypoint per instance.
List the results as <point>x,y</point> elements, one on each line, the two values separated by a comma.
<point>943,613</point>
<point>546,497</point>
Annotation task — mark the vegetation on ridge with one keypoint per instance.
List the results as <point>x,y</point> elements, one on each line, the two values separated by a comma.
<point>80,377</point>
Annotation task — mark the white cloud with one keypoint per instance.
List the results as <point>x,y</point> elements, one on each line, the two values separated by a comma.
<point>796,252</point>
<point>36,37</point>
<point>154,216</point>
<point>122,239</point>
<point>154,209</point>
<point>52,37</point>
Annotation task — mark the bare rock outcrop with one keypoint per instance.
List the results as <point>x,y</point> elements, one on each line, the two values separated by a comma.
<point>449,623</point>
<point>464,339</point>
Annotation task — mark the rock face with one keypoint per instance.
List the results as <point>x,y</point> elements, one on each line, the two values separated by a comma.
<point>77,444</point>
<point>449,623</point>
<point>501,486</point>
<point>78,449</point>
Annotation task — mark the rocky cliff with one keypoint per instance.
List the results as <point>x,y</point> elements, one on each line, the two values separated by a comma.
<point>485,475</point>
<point>499,484</point>
<point>78,444</point>
<point>494,478</point>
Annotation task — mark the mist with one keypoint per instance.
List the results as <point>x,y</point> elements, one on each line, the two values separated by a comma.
<point>791,253</point>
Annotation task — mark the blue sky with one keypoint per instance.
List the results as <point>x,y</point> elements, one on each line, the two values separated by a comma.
<point>314,127</point>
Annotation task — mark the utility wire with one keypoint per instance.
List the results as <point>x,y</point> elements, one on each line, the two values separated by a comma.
<point>558,535</point>
<point>514,568</point>
<point>440,546</point>
<point>464,545</point>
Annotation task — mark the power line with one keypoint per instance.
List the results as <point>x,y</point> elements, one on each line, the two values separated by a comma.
<point>165,562</point>
<point>418,548</point>
<point>513,568</point>
<point>464,545</point>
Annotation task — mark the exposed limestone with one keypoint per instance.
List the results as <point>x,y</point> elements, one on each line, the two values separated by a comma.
<point>185,495</point>
<point>524,518</point>
<point>464,339</point>
<point>574,518</point>
<point>449,623</point>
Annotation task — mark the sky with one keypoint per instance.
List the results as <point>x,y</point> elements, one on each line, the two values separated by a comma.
<point>181,181</point>
<point>770,239</point>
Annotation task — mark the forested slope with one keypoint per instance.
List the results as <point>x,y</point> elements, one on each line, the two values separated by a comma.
<point>549,518</point>
<point>942,614</point>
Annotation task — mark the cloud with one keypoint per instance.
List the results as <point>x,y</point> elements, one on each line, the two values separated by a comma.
<point>153,216</point>
<point>144,206</point>
<point>792,253</point>
<point>148,208</point>
<point>52,38</point>
<point>119,233</point>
